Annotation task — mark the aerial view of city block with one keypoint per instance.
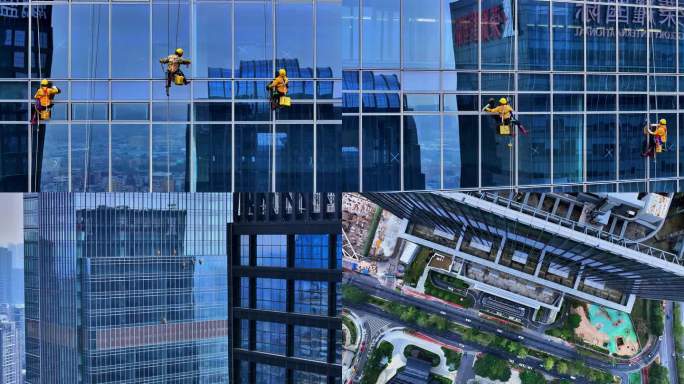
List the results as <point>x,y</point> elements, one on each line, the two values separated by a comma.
<point>448,287</point>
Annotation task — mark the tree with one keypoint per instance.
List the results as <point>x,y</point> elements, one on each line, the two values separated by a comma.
<point>562,367</point>
<point>574,321</point>
<point>422,320</point>
<point>532,377</point>
<point>657,374</point>
<point>493,368</point>
<point>549,362</point>
<point>353,294</point>
<point>657,317</point>
<point>523,352</point>
<point>409,315</point>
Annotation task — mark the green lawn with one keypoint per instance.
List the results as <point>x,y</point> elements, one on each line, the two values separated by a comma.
<point>453,297</point>
<point>371,231</point>
<point>416,268</point>
<point>453,358</point>
<point>635,378</point>
<point>352,328</point>
<point>422,354</point>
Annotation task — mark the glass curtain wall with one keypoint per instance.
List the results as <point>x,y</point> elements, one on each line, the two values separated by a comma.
<point>583,76</point>
<point>113,127</point>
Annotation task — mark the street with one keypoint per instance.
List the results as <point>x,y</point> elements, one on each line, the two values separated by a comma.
<point>531,339</point>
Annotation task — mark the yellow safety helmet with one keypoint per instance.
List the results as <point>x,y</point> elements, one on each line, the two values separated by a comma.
<point>663,121</point>
<point>503,101</point>
<point>282,72</point>
<point>44,83</point>
<point>179,51</point>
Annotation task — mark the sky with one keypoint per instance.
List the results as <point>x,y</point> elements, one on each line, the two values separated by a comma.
<point>11,218</point>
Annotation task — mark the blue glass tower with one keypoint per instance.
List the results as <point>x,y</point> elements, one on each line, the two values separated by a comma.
<point>285,269</point>
<point>126,288</point>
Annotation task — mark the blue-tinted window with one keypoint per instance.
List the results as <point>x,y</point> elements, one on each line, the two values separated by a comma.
<point>244,291</point>
<point>601,54</point>
<point>498,158</point>
<point>631,138</point>
<point>270,337</point>
<point>460,34</point>
<point>54,175</point>
<point>311,343</point>
<point>244,249</point>
<point>534,151</point>
<point>130,157</point>
<point>568,139</point>
<point>329,23</point>
<point>421,19</point>
<point>632,40</point>
<point>169,157</point>
<point>253,39</point>
<point>337,165</point>
<point>311,251</point>
<point>663,32</point>
<point>568,29</point>
<point>301,377</point>
<point>213,157</point>
<point>213,56</point>
<point>269,374</point>
<point>253,158</point>
<point>601,147</point>
<point>311,297</point>
<point>534,48</point>
<point>460,151</point>
<point>497,32</point>
<point>381,33</point>
<point>130,29</point>
<point>294,157</point>
<point>294,45</point>
<point>271,250</point>
<point>381,153</point>
<point>350,33</point>
<point>422,152</point>
<point>665,164</point>
<point>90,41</point>
<point>13,157</point>
<point>89,157</point>
<point>271,294</point>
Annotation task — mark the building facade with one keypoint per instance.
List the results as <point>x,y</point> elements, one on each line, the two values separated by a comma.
<point>10,358</point>
<point>113,127</point>
<point>285,270</point>
<point>515,252</point>
<point>583,77</point>
<point>126,288</point>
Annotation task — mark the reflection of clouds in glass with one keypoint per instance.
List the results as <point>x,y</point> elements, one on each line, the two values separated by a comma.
<point>11,225</point>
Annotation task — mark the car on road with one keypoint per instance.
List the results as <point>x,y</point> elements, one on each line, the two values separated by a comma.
<point>363,347</point>
<point>468,320</point>
<point>660,337</point>
<point>499,331</point>
<point>442,313</point>
<point>521,337</point>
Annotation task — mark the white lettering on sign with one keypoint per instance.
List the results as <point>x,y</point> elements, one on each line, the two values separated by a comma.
<point>12,11</point>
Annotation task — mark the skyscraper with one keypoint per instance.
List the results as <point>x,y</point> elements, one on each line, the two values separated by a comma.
<point>5,275</point>
<point>519,251</point>
<point>10,359</point>
<point>285,256</point>
<point>126,288</point>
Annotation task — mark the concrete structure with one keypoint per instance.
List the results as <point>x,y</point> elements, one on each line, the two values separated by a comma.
<point>10,358</point>
<point>535,258</point>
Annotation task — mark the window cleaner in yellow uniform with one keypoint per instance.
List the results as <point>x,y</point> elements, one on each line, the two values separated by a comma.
<point>659,133</point>
<point>173,71</point>
<point>505,113</point>
<point>44,96</point>
<point>278,88</point>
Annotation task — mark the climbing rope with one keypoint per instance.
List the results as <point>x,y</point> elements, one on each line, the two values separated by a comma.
<point>92,64</point>
<point>655,88</point>
<point>36,112</point>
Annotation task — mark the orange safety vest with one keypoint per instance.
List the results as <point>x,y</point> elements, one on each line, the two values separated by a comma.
<point>280,84</point>
<point>502,110</point>
<point>661,131</point>
<point>45,95</point>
